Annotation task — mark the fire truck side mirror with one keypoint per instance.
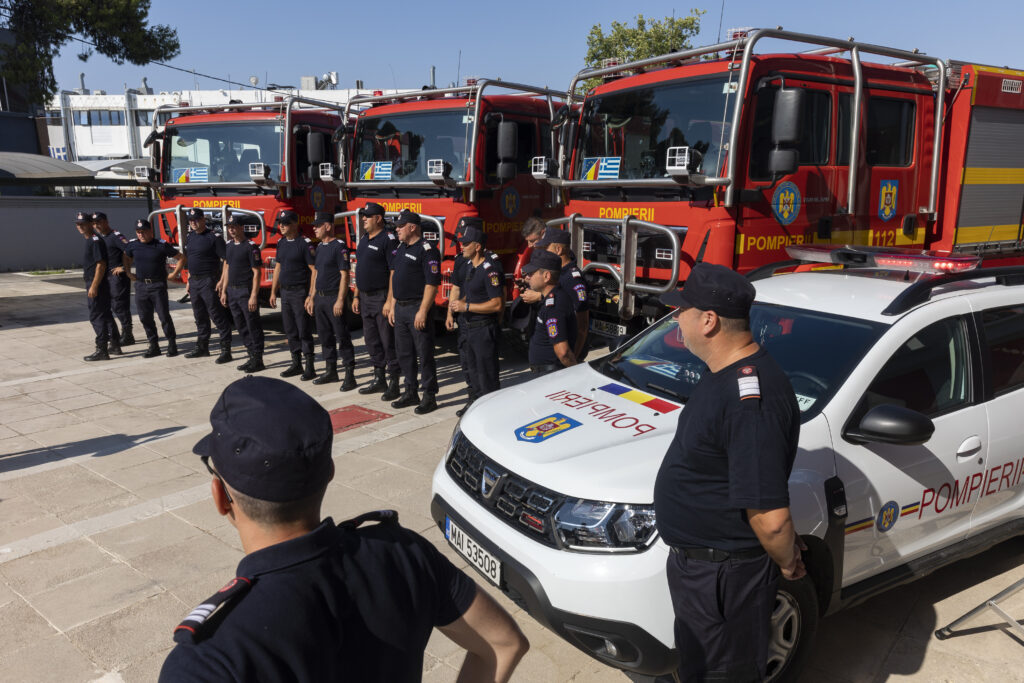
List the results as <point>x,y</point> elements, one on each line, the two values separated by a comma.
<point>316,147</point>
<point>155,153</point>
<point>787,117</point>
<point>508,141</point>
<point>782,161</point>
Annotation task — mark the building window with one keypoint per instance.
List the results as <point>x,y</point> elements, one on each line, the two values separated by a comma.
<point>143,117</point>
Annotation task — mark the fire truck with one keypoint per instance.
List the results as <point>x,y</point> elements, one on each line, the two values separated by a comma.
<point>728,155</point>
<point>447,153</point>
<point>254,160</point>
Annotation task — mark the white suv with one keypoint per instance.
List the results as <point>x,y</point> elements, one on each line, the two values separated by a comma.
<point>910,388</point>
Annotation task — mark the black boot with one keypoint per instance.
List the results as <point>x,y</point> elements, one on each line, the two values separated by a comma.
<point>127,338</point>
<point>296,367</point>
<point>115,346</point>
<point>377,386</point>
<point>350,379</point>
<point>409,398</point>
<point>310,371</point>
<point>225,354</point>
<point>172,348</point>
<point>427,405</point>
<point>201,350</point>
<point>256,364</point>
<point>391,393</point>
<point>330,374</point>
<point>99,354</point>
<point>244,367</point>
<point>153,350</point>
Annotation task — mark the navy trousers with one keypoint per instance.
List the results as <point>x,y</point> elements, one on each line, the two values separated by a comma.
<point>378,335</point>
<point>248,323</point>
<point>120,302</point>
<point>332,331</point>
<point>298,325</point>
<point>415,348</point>
<point>478,350</point>
<point>206,305</point>
<point>151,297</point>
<point>99,313</point>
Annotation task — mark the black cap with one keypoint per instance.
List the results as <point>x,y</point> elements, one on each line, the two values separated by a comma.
<point>194,214</point>
<point>373,209</point>
<point>323,217</point>
<point>270,440</point>
<point>143,224</point>
<point>468,222</point>
<point>555,236</point>
<point>287,218</point>
<point>83,217</point>
<point>237,219</point>
<point>473,234</point>
<point>714,288</point>
<point>407,217</point>
<point>99,216</point>
<point>519,314</point>
<point>542,260</point>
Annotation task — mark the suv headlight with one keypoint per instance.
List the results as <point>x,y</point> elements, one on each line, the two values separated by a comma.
<point>593,526</point>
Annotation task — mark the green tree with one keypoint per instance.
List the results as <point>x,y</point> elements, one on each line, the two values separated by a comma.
<point>117,29</point>
<point>649,38</point>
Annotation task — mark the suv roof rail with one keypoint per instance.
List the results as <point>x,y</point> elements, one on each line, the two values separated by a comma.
<point>920,291</point>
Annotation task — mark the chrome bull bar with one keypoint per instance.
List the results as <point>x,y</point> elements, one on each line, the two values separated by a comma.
<point>225,214</point>
<point>358,213</point>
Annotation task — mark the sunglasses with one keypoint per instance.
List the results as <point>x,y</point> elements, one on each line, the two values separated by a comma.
<point>206,461</point>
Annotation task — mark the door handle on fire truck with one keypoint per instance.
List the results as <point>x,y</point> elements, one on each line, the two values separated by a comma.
<point>969,448</point>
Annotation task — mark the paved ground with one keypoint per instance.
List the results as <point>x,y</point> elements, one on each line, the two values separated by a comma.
<point>108,537</point>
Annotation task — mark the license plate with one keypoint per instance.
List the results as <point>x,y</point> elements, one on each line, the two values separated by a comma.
<point>487,564</point>
<point>606,328</point>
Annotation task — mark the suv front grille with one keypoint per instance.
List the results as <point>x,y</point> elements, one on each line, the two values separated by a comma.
<point>527,507</point>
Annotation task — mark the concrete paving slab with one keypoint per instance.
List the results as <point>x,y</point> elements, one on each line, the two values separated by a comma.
<point>93,596</point>
<point>117,640</point>
<point>53,567</point>
<point>48,660</point>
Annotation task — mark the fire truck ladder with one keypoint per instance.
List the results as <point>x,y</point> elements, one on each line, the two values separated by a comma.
<point>992,604</point>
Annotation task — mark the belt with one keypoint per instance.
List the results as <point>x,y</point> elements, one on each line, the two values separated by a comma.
<point>408,302</point>
<point>202,277</point>
<point>543,369</point>
<point>292,288</point>
<point>151,281</point>
<point>481,323</point>
<point>373,292</point>
<point>243,285</point>
<point>716,555</point>
<point>327,292</point>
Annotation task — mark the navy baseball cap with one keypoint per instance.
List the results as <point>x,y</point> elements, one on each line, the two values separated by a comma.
<point>714,288</point>
<point>83,217</point>
<point>287,218</point>
<point>236,219</point>
<point>143,224</point>
<point>407,217</point>
<point>323,217</point>
<point>194,214</point>
<point>373,209</point>
<point>99,216</point>
<point>468,222</point>
<point>270,440</point>
<point>552,236</point>
<point>542,260</point>
<point>473,234</point>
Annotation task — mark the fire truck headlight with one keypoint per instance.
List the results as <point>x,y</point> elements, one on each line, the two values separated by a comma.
<point>592,526</point>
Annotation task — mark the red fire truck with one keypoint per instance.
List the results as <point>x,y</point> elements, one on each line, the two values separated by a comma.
<point>255,159</point>
<point>447,153</point>
<point>727,155</point>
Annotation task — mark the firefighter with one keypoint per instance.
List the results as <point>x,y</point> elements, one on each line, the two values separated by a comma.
<point>373,270</point>
<point>571,281</point>
<point>204,258</point>
<point>120,285</point>
<point>149,256</point>
<point>554,336</point>
<point>292,273</point>
<point>326,303</point>
<point>239,291</point>
<point>94,271</point>
<point>415,276</point>
<point>477,298</point>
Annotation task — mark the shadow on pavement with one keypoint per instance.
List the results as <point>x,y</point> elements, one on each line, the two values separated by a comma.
<point>96,447</point>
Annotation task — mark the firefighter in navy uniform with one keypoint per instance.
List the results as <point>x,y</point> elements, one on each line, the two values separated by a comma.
<point>722,493</point>
<point>374,250</point>
<point>415,276</point>
<point>313,600</point>
<point>554,336</point>
<point>204,258</point>
<point>293,270</point>
<point>120,284</point>
<point>149,256</point>
<point>94,271</point>
<point>571,281</point>
<point>326,303</point>
<point>240,289</point>
<point>477,299</point>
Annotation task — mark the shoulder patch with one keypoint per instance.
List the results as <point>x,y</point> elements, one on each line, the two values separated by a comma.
<point>391,235</point>
<point>581,292</point>
<point>552,325</point>
<point>307,239</point>
<point>749,385</point>
<point>95,238</point>
<point>486,264</point>
<point>191,628</point>
<point>550,301</point>
<point>576,273</point>
<point>426,245</point>
<point>162,240</point>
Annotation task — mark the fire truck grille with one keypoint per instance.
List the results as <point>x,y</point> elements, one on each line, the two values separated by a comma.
<point>526,507</point>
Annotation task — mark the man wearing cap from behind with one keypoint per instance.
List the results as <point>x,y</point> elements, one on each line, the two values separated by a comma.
<point>120,284</point>
<point>204,257</point>
<point>554,335</point>
<point>326,303</point>
<point>94,270</point>
<point>374,250</point>
<point>292,273</point>
<point>721,496</point>
<point>312,600</point>
<point>149,255</point>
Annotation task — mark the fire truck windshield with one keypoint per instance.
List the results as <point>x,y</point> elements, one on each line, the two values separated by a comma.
<point>634,128</point>
<point>221,152</point>
<point>397,147</point>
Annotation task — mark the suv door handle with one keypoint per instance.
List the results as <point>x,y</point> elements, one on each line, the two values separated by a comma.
<point>969,448</point>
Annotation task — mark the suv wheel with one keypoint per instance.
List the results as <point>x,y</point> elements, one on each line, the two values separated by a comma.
<point>794,624</point>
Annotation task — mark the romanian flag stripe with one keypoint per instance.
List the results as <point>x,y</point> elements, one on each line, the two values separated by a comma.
<point>910,509</point>
<point>640,398</point>
<point>866,523</point>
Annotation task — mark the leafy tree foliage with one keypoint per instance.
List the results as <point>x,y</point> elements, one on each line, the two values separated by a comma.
<point>117,29</point>
<point>649,38</point>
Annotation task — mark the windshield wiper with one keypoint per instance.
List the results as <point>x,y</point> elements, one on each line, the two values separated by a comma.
<point>609,368</point>
<point>674,394</point>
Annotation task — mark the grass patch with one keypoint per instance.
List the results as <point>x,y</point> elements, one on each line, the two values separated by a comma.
<point>54,271</point>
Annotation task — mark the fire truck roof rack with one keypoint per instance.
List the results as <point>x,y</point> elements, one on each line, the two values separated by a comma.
<point>744,45</point>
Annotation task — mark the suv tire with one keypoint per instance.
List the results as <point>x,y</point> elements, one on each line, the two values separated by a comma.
<point>794,625</point>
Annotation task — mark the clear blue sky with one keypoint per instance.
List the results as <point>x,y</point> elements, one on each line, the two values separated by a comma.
<point>388,44</point>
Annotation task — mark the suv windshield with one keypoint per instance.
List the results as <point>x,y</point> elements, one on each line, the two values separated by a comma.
<point>634,128</point>
<point>397,148</point>
<point>816,350</point>
<point>222,152</point>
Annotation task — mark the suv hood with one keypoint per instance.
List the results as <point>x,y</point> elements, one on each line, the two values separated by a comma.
<point>578,432</point>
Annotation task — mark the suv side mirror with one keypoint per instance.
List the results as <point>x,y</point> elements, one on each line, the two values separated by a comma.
<point>893,425</point>
<point>508,146</point>
<point>787,120</point>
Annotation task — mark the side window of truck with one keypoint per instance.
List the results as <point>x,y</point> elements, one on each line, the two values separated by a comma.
<point>889,138</point>
<point>1004,338</point>
<point>525,151</point>
<point>817,122</point>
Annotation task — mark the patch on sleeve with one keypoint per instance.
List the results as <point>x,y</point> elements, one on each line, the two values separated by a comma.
<point>494,279</point>
<point>434,267</point>
<point>581,292</point>
<point>190,629</point>
<point>749,386</point>
<point>552,325</point>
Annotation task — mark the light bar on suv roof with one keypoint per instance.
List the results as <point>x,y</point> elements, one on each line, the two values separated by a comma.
<point>882,257</point>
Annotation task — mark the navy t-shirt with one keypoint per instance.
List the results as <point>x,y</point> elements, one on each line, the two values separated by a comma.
<point>480,284</point>
<point>295,257</point>
<point>733,450</point>
<point>373,260</point>
<point>331,259</point>
<point>337,604</point>
<point>150,258</point>
<point>414,267</point>
<point>115,243</point>
<point>572,282</point>
<point>556,322</point>
<point>241,258</point>
<point>205,252</point>
<point>95,253</point>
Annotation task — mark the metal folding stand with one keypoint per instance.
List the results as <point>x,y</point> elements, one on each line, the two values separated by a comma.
<point>992,604</point>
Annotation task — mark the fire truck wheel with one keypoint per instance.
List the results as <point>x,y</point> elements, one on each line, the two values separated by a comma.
<point>794,625</point>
